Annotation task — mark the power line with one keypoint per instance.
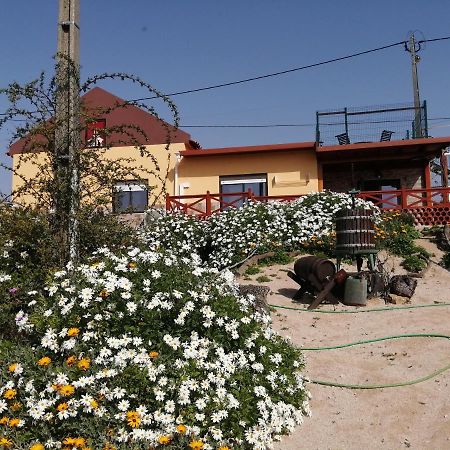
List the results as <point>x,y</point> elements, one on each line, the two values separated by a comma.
<point>275,74</point>
<point>283,72</point>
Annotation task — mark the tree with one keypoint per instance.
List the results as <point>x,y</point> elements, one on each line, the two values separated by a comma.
<point>34,104</point>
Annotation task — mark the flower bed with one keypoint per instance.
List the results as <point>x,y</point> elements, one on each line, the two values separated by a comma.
<point>147,349</point>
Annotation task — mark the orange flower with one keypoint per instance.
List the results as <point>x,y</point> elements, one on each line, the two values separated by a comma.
<point>4,420</point>
<point>153,354</point>
<point>14,423</point>
<point>37,446</point>
<point>5,442</point>
<point>84,363</point>
<point>16,406</point>
<point>71,360</point>
<point>196,445</point>
<point>224,447</point>
<point>62,407</point>
<point>73,332</point>
<point>181,428</point>
<point>10,393</point>
<point>44,361</point>
<point>12,367</point>
<point>104,293</point>
<point>66,390</point>
<point>133,419</point>
<point>132,265</point>
<point>164,440</point>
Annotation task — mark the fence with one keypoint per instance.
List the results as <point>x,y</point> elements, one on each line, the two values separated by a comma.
<point>371,124</point>
<point>428,206</point>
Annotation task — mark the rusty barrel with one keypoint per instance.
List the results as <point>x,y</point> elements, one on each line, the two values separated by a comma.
<point>355,230</point>
<point>320,269</point>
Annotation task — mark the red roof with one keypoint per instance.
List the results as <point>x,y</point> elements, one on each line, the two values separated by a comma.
<point>294,146</point>
<point>99,99</point>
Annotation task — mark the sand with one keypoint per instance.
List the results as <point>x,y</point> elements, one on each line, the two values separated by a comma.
<point>416,416</point>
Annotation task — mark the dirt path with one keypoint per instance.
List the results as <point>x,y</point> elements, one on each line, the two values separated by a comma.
<point>416,416</point>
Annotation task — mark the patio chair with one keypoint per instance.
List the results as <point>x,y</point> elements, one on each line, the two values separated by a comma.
<point>343,138</point>
<point>386,135</point>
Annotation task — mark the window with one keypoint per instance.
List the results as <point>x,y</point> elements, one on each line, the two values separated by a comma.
<point>130,196</point>
<point>94,135</point>
<point>242,183</point>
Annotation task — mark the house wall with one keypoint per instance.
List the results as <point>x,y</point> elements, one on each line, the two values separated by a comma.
<point>339,179</point>
<point>27,168</point>
<point>287,172</point>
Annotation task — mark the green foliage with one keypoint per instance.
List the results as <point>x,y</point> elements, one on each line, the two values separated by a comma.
<point>252,270</point>
<point>396,233</point>
<point>263,279</point>
<point>414,263</point>
<point>446,260</point>
<point>280,257</point>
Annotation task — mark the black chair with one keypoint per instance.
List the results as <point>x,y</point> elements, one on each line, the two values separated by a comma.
<point>343,138</point>
<point>386,135</point>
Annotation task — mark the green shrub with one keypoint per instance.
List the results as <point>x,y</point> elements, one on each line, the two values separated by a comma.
<point>263,279</point>
<point>279,257</point>
<point>446,260</point>
<point>252,270</point>
<point>414,263</point>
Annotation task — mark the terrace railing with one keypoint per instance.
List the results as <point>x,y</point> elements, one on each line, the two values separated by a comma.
<point>428,206</point>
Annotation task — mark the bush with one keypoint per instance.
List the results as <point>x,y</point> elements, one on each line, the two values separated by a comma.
<point>148,349</point>
<point>414,263</point>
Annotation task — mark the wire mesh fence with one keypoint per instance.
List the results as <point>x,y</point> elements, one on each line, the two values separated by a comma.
<point>371,124</point>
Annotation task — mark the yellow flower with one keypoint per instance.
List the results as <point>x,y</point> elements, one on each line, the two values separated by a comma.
<point>5,442</point>
<point>73,332</point>
<point>69,441</point>
<point>12,367</point>
<point>132,265</point>
<point>153,354</point>
<point>164,440</point>
<point>94,404</point>
<point>16,406</point>
<point>80,442</point>
<point>104,293</point>
<point>133,419</point>
<point>10,393</point>
<point>84,363</point>
<point>196,445</point>
<point>4,420</point>
<point>66,390</point>
<point>108,446</point>
<point>37,446</point>
<point>181,428</point>
<point>224,447</point>
<point>62,407</point>
<point>44,361</point>
<point>14,422</point>
<point>71,360</point>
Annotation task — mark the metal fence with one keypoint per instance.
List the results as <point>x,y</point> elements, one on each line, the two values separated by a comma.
<point>371,124</point>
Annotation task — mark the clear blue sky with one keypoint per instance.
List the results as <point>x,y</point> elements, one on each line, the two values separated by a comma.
<point>178,45</point>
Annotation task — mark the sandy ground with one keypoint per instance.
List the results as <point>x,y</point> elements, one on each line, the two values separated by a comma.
<point>416,416</point>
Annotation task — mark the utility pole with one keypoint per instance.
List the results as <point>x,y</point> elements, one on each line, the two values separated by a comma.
<point>67,133</point>
<point>413,47</point>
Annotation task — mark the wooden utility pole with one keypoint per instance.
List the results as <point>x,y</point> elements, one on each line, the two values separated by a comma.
<point>67,133</point>
<point>413,48</point>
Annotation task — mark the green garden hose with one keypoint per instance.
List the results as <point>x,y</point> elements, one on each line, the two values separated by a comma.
<point>373,386</point>
<point>358,310</point>
<point>379,386</point>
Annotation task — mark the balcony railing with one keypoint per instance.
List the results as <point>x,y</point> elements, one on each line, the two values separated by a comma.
<point>429,206</point>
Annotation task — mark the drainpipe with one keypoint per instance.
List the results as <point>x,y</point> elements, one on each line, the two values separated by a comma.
<point>175,176</point>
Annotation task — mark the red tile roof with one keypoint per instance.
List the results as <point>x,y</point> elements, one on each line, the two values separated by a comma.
<point>99,99</point>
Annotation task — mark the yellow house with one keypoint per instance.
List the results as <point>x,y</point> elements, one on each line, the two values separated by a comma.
<point>393,171</point>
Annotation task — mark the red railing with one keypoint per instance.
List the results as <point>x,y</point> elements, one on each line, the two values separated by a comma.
<point>428,206</point>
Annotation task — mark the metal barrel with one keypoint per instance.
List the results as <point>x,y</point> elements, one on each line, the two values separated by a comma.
<point>313,266</point>
<point>355,230</point>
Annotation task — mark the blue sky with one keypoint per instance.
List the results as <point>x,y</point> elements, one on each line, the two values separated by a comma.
<point>180,45</point>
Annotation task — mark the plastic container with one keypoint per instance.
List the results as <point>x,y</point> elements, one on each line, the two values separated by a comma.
<point>355,293</point>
